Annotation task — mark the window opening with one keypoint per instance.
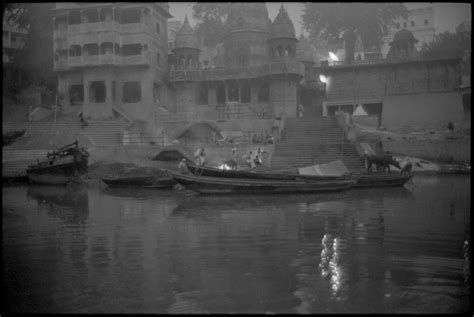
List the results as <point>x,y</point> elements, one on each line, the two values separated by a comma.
<point>131,92</point>
<point>131,49</point>
<point>76,94</point>
<point>97,91</point>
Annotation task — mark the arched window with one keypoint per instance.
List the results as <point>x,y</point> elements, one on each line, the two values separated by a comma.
<point>190,62</point>
<point>279,51</point>
<point>106,48</point>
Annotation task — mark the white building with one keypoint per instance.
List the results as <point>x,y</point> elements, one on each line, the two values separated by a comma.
<point>420,21</point>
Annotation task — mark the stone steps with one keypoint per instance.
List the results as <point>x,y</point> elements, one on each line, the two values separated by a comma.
<point>15,162</point>
<point>310,141</point>
<point>41,134</point>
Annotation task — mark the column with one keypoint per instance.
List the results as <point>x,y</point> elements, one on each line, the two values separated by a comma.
<point>108,96</point>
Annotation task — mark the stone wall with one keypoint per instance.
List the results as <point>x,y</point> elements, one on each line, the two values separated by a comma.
<point>283,97</point>
<point>437,150</point>
<point>423,111</point>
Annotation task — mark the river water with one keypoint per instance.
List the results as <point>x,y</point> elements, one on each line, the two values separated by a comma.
<point>102,250</point>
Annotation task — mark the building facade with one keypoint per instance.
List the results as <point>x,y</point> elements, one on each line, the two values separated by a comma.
<point>14,38</point>
<point>110,58</point>
<point>420,21</point>
<point>402,90</point>
<point>255,68</point>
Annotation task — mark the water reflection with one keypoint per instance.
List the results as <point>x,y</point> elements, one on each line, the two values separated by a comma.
<point>153,251</point>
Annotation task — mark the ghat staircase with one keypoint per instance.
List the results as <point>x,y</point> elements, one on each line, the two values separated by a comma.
<point>41,137</point>
<point>311,141</point>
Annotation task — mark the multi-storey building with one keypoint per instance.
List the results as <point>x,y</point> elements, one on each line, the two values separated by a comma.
<point>420,21</point>
<point>256,66</point>
<point>14,39</point>
<point>110,58</point>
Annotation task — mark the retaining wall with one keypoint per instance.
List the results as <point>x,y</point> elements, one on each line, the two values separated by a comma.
<point>437,150</point>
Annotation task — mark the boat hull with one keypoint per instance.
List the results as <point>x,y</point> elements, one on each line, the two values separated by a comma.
<point>145,181</point>
<point>215,172</point>
<point>386,180</point>
<point>220,185</point>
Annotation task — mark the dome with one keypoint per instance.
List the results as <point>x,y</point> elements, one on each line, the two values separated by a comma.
<point>304,50</point>
<point>403,36</point>
<point>282,26</point>
<point>185,37</point>
<point>249,16</point>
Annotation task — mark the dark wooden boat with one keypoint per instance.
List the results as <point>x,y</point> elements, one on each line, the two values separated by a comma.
<point>140,181</point>
<point>222,185</point>
<point>60,167</point>
<point>216,172</point>
<point>380,180</point>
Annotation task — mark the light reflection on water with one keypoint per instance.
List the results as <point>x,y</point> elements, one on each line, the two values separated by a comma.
<point>148,251</point>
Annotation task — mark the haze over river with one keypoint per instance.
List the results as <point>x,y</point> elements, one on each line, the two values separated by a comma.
<point>102,250</point>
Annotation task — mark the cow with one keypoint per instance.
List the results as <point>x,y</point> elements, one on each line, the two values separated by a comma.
<point>381,162</point>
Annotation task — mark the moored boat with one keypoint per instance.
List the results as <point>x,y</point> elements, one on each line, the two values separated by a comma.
<point>140,181</point>
<point>222,185</point>
<point>380,180</point>
<point>62,166</point>
<point>216,172</point>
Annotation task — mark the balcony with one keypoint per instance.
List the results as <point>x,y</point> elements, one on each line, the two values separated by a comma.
<point>75,61</point>
<point>135,60</point>
<point>133,28</point>
<point>291,67</point>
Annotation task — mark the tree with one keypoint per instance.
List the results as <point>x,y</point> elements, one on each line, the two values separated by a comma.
<point>446,44</point>
<point>333,21</point>
<point>212,21</point>
<point>36,57</point>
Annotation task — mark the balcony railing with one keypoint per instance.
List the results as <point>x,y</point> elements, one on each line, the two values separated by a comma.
<point>97,60</point>
<point>290,67</point>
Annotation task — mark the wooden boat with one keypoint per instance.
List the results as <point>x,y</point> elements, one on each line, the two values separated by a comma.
<point>216,172</point>
<point>140,181</point>
<point>380,180</point>
<point>222,185</point>
<point>67,164</point>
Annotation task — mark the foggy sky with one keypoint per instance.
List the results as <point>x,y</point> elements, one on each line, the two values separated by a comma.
<point>447,16</point>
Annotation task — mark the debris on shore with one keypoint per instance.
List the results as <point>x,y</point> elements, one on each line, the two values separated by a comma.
<point>110,170</point>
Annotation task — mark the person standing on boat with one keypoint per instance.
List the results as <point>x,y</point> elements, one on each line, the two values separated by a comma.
<point>248,159</point>
<point>182,166</point>
<point>202,157</point>
<point>199,157</point>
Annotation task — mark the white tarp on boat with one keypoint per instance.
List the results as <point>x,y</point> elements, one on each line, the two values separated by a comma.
<point>335,168</point>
